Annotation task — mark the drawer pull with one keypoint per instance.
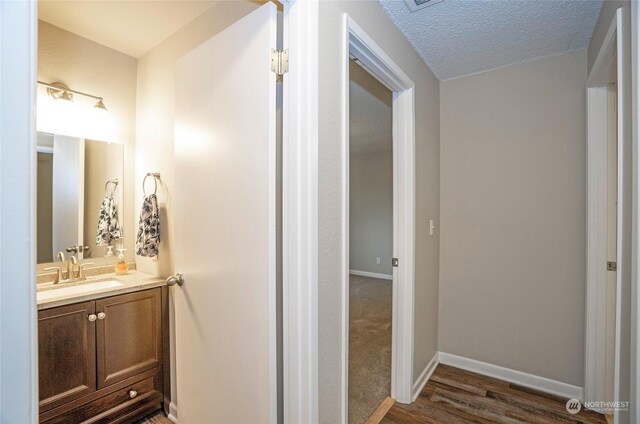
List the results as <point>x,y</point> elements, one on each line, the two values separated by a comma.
<point>102,315</point>
<point>133,394</point>
<point>92,317</point>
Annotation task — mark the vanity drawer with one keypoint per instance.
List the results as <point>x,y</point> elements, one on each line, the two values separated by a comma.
<point>125,399</point>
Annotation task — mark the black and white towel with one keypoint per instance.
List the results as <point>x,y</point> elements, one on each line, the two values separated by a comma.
<point>108,225</point>
<point>148,228</point>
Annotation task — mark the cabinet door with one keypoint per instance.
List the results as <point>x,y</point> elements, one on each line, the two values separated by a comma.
<point>129,335</point>
<point>66,354</point>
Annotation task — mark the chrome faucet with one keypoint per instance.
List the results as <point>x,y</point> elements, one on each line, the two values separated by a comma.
<point>81,271</point>
<point>57,276</point>
<point>72,275</point>
<point>70,264</point>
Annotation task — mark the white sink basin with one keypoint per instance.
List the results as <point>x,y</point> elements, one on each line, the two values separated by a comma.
<point>63,290</point>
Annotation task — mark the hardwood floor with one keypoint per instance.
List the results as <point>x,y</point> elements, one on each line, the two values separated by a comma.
<point>456,396</point>
<point>157,417</point>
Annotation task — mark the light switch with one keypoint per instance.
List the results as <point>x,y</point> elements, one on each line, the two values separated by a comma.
<point>432,227</point>
<point>378,260</point>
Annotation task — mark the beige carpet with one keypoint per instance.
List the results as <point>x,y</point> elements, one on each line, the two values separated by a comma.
<point>369,345</point>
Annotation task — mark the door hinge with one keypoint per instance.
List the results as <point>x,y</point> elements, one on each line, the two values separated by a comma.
<point>279,61</point>
<point>394,262</point>
<point>612,266</point>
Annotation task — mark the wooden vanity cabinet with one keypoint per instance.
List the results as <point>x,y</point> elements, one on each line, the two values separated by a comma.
<point>66,351</point>
<point>104,360</point>
<point>129,337</point>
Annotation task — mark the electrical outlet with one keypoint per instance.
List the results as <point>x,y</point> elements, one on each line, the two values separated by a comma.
<point>378,260</point>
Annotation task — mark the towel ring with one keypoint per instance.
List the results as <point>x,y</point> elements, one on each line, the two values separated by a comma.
<point>115,185</point>
<point>156,177</point>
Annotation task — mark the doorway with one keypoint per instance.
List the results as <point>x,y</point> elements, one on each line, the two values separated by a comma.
<point>370,242</point>
<point>604,212</point>
<point>359,47</point>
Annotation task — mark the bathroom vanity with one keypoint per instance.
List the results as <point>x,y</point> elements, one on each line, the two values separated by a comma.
<point>103,349</point>
<point>103,339</point>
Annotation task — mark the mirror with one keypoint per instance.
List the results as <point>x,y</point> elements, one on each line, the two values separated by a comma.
<point>79,197</point>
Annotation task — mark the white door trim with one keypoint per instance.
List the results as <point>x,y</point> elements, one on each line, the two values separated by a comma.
<point>18,315</point>
<point>596,242</point>
<point>635,265</point>
<point>360,46</point>
<point>300,213</point>
<point>597,213</point>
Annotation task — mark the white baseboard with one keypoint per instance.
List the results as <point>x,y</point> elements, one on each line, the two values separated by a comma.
<point>517,377</point>
<point>173,412</point>
<point>425,375</point>
<point>371,274</point>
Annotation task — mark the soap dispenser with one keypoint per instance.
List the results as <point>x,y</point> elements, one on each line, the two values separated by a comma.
<point>121,267</point>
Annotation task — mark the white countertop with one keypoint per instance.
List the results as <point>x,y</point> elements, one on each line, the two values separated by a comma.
<point>104,285</point>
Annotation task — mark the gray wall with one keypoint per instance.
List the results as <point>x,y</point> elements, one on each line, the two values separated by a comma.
<point>371,212</point>
<point>371,173</point>
<point>512,255</point>
<point>627,365</point>
<point>370,16</point>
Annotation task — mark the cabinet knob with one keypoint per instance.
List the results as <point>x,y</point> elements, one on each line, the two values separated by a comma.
<point>102,315</point>
<point>93,317</point>
<point>132,394</point>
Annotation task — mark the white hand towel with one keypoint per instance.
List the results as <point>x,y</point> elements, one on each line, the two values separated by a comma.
<point>148,228</point>
<point>108,225</point>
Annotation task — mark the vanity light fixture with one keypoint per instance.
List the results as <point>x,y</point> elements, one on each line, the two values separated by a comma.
<point>65,95</point>
<point>100,104</point>
<point>60,91</point>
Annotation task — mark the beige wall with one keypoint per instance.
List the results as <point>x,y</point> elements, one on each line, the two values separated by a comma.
<point>512,258</point>
<point>155,123</point>
<point>371,212</point>
<point>93,68</point>
<point>607,15</point>
<point>370,16</point>
<point>102,162</point>
<point>44,219</point>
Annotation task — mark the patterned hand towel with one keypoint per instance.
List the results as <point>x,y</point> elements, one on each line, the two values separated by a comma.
<point>108,226</point>
<point>148,228</point>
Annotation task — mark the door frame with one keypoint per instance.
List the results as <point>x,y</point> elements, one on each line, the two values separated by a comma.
<point>360,46</point>
<point>18,315</point>
<point>635,265</point>
<point>610,54</point>
<point>300,213</point>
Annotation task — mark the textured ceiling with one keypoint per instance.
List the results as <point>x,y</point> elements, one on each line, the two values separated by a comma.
<point>131,27</point>
<point>369,113</point>
<point>462,37</point>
